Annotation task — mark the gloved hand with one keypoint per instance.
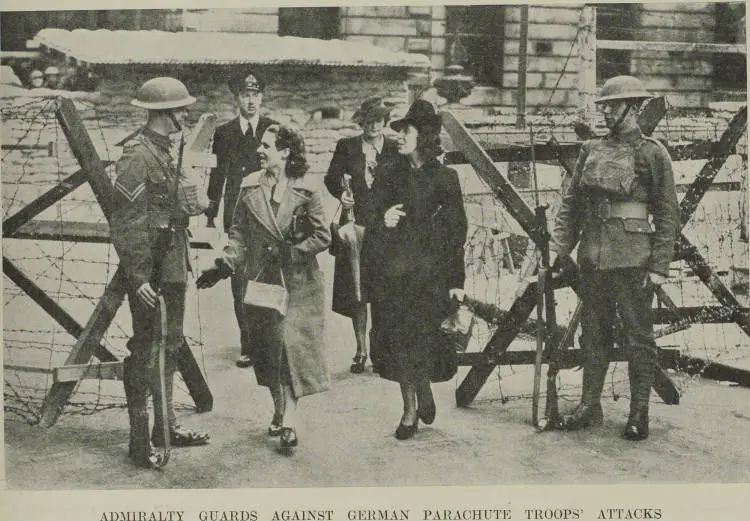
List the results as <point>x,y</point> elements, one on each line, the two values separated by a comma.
<point>209,277</point>
<point>277,253</point>
<point>212,210</point>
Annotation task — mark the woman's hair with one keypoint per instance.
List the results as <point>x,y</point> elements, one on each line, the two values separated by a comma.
<point>291,138</point>
<point>428,143</point>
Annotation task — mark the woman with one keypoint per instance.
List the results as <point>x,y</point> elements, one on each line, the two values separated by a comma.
<point>353,164</point>
<point>277,230</point>
<point>415,232</point>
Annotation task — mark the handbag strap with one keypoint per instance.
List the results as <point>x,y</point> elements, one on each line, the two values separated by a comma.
<point>283,281</point>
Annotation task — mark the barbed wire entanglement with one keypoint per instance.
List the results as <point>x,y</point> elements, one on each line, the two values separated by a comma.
<point>498,250</point>
<point>36,157</point>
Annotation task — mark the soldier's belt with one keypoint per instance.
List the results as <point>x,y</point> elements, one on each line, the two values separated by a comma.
<point>606,209</point>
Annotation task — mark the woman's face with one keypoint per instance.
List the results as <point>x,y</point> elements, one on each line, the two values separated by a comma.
<point>407,140</point>
<point>373,129</point>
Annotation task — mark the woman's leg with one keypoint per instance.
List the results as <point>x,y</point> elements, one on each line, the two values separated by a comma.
<point>359,321</point>
<point>426,402</point>
<point>407,427</point>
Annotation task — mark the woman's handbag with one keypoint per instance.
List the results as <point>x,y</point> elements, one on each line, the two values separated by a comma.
<point>271,296</point>
<point>458,327</point>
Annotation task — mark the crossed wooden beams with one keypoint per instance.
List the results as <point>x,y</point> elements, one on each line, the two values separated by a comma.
<point>495,352</point>
<point>88,343</point>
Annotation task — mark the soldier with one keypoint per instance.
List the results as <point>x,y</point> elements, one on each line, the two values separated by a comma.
<point>52,77</point>
<point>622,206</point>
<point>236,147</point>
<point>152,205</point>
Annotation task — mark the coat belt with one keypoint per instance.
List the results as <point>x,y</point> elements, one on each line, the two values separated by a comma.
<point>606,209</point>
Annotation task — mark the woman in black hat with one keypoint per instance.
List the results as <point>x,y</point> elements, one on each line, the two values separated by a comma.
<point>349,179</point>
<point>415,233</point>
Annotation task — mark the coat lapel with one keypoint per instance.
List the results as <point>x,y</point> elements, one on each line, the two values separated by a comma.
<point>289,202</point>
<point>259,206</point>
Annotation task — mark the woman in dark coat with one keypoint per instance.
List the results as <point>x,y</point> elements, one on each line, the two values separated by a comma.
<point>278,228</point>
<point>415,233</point>
<point>354,162</point>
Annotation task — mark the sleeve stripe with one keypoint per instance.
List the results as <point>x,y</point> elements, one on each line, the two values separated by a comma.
<point>130,195</point>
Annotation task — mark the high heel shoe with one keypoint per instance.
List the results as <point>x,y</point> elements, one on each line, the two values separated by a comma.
<point>404,432</point>
<point>288,438</point>
<point>275,428</point>
<point>427,414</point>
<point>358,366</point>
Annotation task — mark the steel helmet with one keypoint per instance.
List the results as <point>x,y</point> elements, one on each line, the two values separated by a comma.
<point>162,94</point>
<point>623,87</point>
<point>36,73</point>
<point>51,71</point>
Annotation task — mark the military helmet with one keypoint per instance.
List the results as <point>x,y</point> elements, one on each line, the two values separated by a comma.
<point>36,73</point>
<point>162,94</point>
<point>51,71</point>
<point>621,88</point>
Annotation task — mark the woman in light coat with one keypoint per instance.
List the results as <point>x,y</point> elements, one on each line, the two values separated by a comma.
<point>277,230</point>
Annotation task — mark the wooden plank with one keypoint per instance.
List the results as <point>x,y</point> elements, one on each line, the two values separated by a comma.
<point>569,358</point>
<point>699,314</point>
<point>61,316</point>
<point>85,346</point>
<point>705,177</point>
<point>194,380</point>
<point>27,369</point>
<point>691,47</point>
<point>85,153</point>
<point>76,372</point>
<point>44,201</point>
<point>715,370</point>
<point>486,169</point>
<point>79,231</point>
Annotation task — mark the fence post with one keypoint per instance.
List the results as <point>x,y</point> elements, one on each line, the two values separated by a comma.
<point>587,65</point>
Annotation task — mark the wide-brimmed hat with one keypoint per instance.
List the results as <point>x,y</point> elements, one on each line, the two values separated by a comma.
<point>247,80</point>
<point>372,109</point>
<point>421,115</point>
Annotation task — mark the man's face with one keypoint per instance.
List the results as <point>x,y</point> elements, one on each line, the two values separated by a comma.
<point>373,129</point>
<point>248,102</point>
<point>270,158</point>
<point>180,114</point>
<point>613,111</point>
<point>52,80</point>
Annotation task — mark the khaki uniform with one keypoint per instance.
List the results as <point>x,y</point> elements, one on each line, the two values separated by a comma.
<point>621,210</point>
<point>144,210</point>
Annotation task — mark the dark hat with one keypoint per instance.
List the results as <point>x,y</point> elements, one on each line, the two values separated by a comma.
<point>421,115</point>
<point>246,81</point>
<point>372,109</point>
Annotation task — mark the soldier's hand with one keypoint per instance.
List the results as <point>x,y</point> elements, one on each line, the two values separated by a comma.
<point>210,222</point>
<point>657,279</point>
<point>552,259</point>
<point>208,278</point>
<point>347,201</point>
<point>212,211</point>
<point>393,215</point>
<point>147,295</point>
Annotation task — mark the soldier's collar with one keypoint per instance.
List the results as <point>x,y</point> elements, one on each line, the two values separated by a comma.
<point>629,135</point>
<point>158,139</point>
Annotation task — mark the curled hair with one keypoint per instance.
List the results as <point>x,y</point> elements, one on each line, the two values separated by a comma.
<point>291,138</point>
<point>428,143</point>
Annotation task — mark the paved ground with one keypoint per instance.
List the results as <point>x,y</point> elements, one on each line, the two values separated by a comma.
<point>347,434</point>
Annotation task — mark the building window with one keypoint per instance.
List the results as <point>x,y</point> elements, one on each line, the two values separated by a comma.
<point>310,22</point>
<point>474,40</point>
<point>730,70</point>
<point>614,22</point>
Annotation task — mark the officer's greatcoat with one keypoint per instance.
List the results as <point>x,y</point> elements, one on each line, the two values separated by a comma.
<point>299,336</point>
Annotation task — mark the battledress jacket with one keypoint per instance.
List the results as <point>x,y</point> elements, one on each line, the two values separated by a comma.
<point>627,168</point>
<point>143,206</point>
<point>254,228</point>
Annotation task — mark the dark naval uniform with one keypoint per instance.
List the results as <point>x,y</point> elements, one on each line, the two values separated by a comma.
<point>621,206</point>
<point>236,156</point>
<point>144,209</point>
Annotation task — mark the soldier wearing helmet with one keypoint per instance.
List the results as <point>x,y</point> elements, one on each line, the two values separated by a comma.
<point>36,79</point>
<point>621,210</point>
<point>152,205</point>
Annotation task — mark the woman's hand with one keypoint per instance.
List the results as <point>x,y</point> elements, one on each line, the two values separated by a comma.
<point>347,201</point>
<point>147,295</point>
<point>393,215</point>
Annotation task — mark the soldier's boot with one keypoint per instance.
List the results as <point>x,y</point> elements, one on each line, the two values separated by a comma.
<point>642,375</point>
<point>136,396</point>
<point>588,413</point>
<point>178,435</point>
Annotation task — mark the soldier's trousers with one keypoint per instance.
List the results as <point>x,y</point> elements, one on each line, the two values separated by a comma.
<point>238,283</point>
<point>141,368</point>
<point>609,296</point>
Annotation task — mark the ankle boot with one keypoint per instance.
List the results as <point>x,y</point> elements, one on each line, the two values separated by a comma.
<point>642,374</point>
<point>588,413</point>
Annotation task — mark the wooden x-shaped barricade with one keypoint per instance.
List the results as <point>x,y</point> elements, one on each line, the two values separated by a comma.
<point>88,338</point>
<point>496,350</point>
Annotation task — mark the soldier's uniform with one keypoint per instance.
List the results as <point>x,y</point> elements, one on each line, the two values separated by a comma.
<point>622,207</point>
<point>152,206</point>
